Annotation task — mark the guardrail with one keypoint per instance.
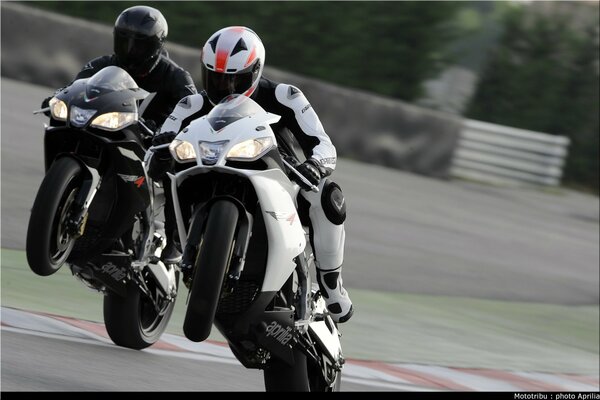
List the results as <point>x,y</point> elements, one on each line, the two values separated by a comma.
<point>510,156</point>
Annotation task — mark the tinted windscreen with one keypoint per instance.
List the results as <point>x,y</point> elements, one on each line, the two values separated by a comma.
<point>109,79</point>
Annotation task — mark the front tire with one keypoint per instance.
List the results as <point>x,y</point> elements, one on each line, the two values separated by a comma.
<point>209,270</point>
<point>48,243</point>
<point>132,321</point>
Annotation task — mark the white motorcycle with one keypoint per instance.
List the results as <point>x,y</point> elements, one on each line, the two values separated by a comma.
<point>248,250</point>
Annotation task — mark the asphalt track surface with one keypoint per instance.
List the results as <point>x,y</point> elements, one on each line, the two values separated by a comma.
<point>405,233</point>
<point>104,367</point>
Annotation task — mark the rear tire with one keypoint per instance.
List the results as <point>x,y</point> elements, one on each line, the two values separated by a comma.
<point>282,377</point>
<point>300,377</point>
<point>211,264</point>
<point>48,244</point>
<point>132,321</point>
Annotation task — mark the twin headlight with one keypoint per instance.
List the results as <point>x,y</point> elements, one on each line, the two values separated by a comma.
<point>210,152</point>
<point>112,121</point>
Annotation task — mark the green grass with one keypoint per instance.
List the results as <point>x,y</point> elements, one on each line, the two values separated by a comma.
<point>393,327</point>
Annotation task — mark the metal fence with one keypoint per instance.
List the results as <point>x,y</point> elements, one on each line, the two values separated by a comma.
<point>503,155</point>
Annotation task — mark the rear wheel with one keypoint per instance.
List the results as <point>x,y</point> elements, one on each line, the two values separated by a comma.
<point>281,377</point>
<point>211,264</point>
<point>48,241</point>
<point>134,321</point>
<point>302,376</point>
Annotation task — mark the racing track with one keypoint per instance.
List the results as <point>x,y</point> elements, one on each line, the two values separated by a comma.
<point>405,233</point>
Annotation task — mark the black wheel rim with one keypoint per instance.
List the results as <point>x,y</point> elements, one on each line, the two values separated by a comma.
<point>61,241</point>
<point>150,319</point>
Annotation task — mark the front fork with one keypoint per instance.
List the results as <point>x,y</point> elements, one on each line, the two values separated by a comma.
<point>242,239</point>
<point>76,221</point>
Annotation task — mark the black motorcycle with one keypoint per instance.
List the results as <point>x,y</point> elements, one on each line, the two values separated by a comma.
<point>96,207</point>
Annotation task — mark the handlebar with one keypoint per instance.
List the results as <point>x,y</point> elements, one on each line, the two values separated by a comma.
<point>149,131</point>
<point>41,110</point>
<point>159,147</point>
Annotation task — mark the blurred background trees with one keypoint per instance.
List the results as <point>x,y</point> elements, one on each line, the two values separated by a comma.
<point>543,76</point>
<point>531,65</point>
<point>384,47</point>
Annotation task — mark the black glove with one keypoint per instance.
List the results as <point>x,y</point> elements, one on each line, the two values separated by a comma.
<point>310,171</point>
<point>163,138</point>
<point>150,124</point>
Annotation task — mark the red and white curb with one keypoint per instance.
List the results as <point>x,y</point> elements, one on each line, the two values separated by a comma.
<point>389,376</point>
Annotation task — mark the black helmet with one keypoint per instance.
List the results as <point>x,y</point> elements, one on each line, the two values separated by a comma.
<point>139,36</point>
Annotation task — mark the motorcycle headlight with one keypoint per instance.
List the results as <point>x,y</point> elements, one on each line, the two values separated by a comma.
<point>114,121</point>
<point>250,149</point>
<point>210,152</point>
<point>182,151</point>
<point>58,109</point>
<point>80,116</point>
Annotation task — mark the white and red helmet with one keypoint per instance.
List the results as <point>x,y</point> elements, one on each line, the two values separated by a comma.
<point>232,62</point>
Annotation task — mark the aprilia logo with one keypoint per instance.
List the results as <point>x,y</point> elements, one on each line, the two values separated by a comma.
<point>115,272</point>
<point>279,333</point>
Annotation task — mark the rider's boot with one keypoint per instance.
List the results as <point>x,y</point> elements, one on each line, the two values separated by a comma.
<point>336,297</point>
<point>171,254</point>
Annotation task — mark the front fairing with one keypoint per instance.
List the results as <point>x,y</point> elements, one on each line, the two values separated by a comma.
<point>275,193</point>
<point>110,90</point>
<point>200,131</point>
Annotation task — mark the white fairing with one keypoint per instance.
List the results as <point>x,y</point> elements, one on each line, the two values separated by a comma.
<point>275,192</point>
<point>284,230</point>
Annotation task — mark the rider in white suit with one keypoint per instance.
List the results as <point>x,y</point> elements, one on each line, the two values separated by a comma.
<point>232,62</point>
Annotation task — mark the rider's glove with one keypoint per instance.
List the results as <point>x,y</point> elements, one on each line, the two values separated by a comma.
<point>150,124</point>
<point>310,170</point>
<point>163,138</point>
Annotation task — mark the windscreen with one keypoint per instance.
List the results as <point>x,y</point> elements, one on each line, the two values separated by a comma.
<point>109,79</point>
<point>232,108</point>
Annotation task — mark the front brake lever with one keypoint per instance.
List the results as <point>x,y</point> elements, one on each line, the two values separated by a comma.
<point>302,178</point>
<point>41,111</point>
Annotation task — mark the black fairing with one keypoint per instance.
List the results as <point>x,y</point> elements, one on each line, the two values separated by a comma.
<point>80,95</point>
<point>117,156</point>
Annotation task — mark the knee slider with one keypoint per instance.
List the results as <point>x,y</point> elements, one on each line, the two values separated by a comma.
<point>333,203</point>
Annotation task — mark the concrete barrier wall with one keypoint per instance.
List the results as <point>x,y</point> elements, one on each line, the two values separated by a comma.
<point>49,49</point>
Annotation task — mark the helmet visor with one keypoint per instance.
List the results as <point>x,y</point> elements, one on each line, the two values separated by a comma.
<point>133,50</point>
<point>219,85</point>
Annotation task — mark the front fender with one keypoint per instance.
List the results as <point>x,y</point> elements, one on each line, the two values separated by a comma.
<point>284,230</point>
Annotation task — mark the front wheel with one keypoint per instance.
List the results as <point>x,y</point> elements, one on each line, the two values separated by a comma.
<point>211,264</point>
<point>48,241</point>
